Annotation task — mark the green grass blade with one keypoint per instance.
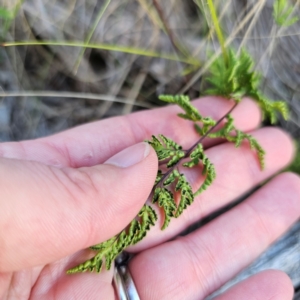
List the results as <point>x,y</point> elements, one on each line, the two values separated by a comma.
<point>109,47</point>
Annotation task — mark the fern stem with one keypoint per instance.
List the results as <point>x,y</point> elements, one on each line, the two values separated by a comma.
<point>210,130</point>
<point>219,33</point>
<point>188,152</point>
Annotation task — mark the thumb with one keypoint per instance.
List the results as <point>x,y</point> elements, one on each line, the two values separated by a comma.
<point>48,213</point>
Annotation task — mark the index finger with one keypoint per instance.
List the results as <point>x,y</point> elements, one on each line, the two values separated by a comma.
<point>94,143</point>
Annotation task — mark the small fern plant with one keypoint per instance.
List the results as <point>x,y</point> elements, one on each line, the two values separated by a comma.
<point>282,12</point>
<point>231,76</point>
<point>173,159</point>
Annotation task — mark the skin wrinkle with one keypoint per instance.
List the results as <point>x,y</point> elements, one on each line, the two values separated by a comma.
<point>55,163</point>
<point>54,278</point>
<point>238,243</point>
<point>196,267</point>
<point>36,281</point>
<point>78,179</point>
<point>89,158</point>
<point>175,289</point>
<point>10,287</point>
<point>53,291</point>
<point>14,291</point>
<point>248,205</point>
<point>234,250</point>
<point>213,264</point>
<point>62,215</point>
<point>88,188</point>
<point>72,292</point>
<point>58,181</point>
<point>72,193</point>
<point>232,255</point>
<point>53,282</point>
<point>66,152</point>
<point>62,150</point>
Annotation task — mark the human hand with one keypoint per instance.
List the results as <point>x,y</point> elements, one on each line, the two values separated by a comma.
<point>57,198</point>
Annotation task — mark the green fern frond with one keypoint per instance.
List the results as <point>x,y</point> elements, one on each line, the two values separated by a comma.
<point>167,149</point>
<point>224,76</point>
<point>109,250</point>
<point>282,108</point>
<point>232,134</point>
<point>258,148</point>
<point>200,130</point>
<point>271,109</point>
<point>195,157</point>
<point>186,194</point>
<point>165,199</point>
<point>210,176</point>
<point>282,11</point>
<point>103,245</point>
<point>234,79</point>
<point>170,143</point>
<point>159,176</point>
<point>209,172</point>
<point>171,178</point>
<point>237,79</point>
<point>191,112</point>
<point>148,218</point>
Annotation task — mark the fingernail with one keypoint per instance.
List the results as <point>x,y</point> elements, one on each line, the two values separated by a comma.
<point>130,156</point>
